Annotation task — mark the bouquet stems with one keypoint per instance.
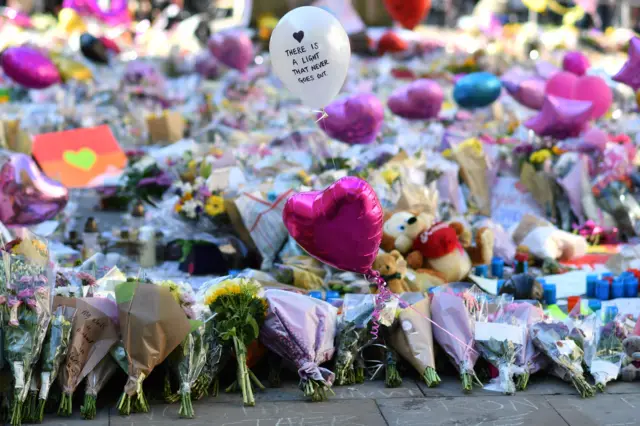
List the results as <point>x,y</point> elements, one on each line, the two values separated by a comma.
<point>359,374</point>
<point>345,375</point>
<point>186,406</point>
<point>582,386</point>
<point>243,378</point>
<point>522,381</point>
<point>16,410</point>
<point>316,390</point>
<point>30,407</point>
<point>430,377</point>
<point>88,408</point>
<point>66,404</point>
<point>136,403</point>
<point>392,378</point>
<point>201,387</point>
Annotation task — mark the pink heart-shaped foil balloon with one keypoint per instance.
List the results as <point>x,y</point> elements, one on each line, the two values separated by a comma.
<point>29,67</point>
<point>27,196</point>
<point>340,226</point>
<point>233,48</point>
<point>354,120</point>
<point>586,88</point>
<point>421,99</point>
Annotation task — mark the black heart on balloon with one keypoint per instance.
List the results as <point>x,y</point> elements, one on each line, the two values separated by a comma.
<point>299,36</point>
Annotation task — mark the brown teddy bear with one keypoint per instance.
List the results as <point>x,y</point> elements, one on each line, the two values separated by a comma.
<point>443,251</point>
<point>631,364</point>
<point>392,268</point>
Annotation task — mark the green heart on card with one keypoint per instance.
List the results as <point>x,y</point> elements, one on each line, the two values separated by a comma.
<point>83,159</point>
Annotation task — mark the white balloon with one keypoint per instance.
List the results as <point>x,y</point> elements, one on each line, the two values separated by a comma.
<point>310,53</point>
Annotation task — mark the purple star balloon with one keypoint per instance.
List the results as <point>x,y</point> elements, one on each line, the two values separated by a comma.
<point>630,72</point>
<point>526,89</point>
<point>354,120</point>
<point>561,118</point>
<point>419,100</point>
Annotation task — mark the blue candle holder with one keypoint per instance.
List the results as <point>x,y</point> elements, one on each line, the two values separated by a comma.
<point>497,267</point>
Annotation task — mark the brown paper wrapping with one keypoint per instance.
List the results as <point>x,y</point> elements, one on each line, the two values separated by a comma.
<point>92,337</point>
<point>540,184</point>
<point>413,338</point>
<point>473,167</point>
<point>152,326</point>
<point>13,138</point>
<point>166,128</point>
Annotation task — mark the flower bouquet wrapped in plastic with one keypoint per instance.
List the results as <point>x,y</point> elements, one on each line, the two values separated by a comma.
<point>500,341</point>
<point>609,353</point>
<point>218,355</point>
<point>553,339</point>
<point>239,312</point>
<point>412,337</point>
<point>152,325</point>
<point>353,334</point>
<point>529,360</point>
<point>455,335</point>
<point>302,330</point>
<point>96,379</point>
<point>54,353</point>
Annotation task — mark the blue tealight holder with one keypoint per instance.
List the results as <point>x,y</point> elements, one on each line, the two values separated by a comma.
<point>315,294</point>
<point>595,305</point>
<point>550,294</point>
<point>592,279</point>
<point>482,271</point>
<point>617,288</point>
<point>610,313</point>
<point>332,294</point>
<point>603,290</point>
<point>497,267</point>
<point>500,284</point>
<point>631,287</point>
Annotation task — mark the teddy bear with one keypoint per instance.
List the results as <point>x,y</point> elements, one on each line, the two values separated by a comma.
<point>631,364</point>
<point>443,251</point>
<point>392,268</point>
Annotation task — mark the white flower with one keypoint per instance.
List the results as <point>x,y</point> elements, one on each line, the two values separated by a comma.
<point>189,208</point>
<point>199,182</point>
<point>184,187</point>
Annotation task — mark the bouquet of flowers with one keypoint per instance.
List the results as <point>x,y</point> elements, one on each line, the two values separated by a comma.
<point>553,339</point>
<point>607,360</point>
<point>145,182</point>
<point>96,379</point>
<point>152,325</point>
<point>529,360</point>
<point>189,358</point>
<point>239,312</point>
<point>53,354</point>
<point>455,335</point>
<point>301,330</point>
<point>218,354</point>
<point>94,332</point>
<point>500,341</point>
<point>413,339</point>
<point>353,334</point>
<point>25,278</point>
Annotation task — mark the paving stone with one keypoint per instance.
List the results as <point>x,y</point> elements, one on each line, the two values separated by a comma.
<point>471,411</point>
<point>333,413</point>
<point>102,419</point>
<point>603,410</point>
<point>620,387</point>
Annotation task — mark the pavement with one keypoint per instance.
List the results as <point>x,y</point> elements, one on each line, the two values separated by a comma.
<point>548,401</point>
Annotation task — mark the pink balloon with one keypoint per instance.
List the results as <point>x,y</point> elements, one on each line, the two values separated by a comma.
<point>560,118</point>
<point>27,196</point>
<point>354,120</point>
<point>594,139</point>
<point>596,90</point>
<point>233,48</point>
<point>576,63</point>
<point>118,12</point>
<point>340,226</point>
<point>29,67</point>
<point>419,100</point>
<point>586,88</point>
<point>18,18</point>
<point>528,91</point>
<point>562,85</point>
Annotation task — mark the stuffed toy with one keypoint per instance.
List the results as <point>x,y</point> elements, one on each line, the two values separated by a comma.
<point>392,268</point>
<point>631,364</point>
<point>443,251</point>
<point>543,240</point>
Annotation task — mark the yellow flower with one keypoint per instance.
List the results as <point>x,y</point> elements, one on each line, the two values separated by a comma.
<point>188,196</point>
<point>540,156</point>
<point>231,287</point>
<point>557,151</point>
<point>471,144</point>
<point>447,153</point>
<point>214,205</point>
<point>178,207</point>
<point>192,164</point>
<point>306,179</point>
<point>390,175</point>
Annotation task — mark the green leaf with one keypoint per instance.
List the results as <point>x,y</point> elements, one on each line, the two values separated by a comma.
<point>254,325</point>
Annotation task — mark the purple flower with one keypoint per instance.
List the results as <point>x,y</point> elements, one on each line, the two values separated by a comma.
<point>26,293</point>
<point>523,149</point>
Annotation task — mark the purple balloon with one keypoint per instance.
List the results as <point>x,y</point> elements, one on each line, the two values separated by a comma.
<point>29,67</point>
<point>419,100</point>
<point>27,196</point>
<point>546,70</point>
<point>576,63</point>
<point>142,73</point>
<point>207,66</point>
<point>528,91</point>
<point>118,12</point>
<point>354,120</point>
<point>233,48</point>
<point>561,118</point>
<point>630,72</point>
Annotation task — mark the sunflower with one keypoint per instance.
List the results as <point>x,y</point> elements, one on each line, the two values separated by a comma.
<point>214,205</point>
<point>540,156</point>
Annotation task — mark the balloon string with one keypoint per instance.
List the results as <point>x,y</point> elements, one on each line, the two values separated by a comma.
<point>323,112</point>
<point>384,295</point>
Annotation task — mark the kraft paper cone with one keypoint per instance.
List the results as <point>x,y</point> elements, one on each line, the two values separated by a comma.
<point>540,186</point>
<point>474,170</point>
<point>152,324</point>
<point>413,338</point>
